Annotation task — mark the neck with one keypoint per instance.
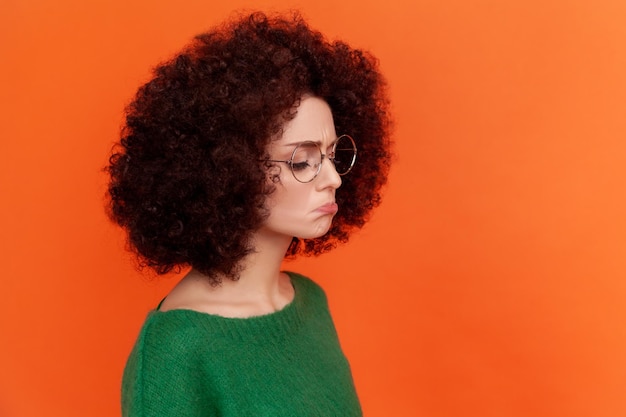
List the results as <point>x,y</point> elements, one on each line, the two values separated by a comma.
<point>261,269</point>
<point>260,289</point>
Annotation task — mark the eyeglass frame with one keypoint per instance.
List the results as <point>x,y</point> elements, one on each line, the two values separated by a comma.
<point>323,156</point>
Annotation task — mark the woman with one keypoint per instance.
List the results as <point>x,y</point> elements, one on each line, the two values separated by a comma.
<point>237,153</point>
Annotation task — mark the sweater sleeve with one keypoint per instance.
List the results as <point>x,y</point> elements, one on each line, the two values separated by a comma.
<point>162,376</point>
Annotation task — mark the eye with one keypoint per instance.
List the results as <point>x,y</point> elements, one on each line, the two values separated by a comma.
<point>300,165</point>
<point>307,155</point>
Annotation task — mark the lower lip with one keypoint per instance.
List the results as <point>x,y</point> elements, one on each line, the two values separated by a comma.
<point>328,208</point>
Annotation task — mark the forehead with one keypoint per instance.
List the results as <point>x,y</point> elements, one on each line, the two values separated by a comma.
<point>313,122</point>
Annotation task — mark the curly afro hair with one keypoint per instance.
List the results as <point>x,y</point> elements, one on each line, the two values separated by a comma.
<point>185,178</point>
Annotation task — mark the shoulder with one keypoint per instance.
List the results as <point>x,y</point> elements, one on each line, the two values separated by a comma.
<point>174,334</point>
<point>168,343</point>
<point>303,282</point>
<point>306,288</point>
<point>163,375</point>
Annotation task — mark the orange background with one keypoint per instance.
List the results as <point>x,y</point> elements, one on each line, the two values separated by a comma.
<point>491,282</point>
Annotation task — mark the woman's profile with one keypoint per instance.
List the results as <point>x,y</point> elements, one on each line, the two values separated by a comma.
<point>259,140</point>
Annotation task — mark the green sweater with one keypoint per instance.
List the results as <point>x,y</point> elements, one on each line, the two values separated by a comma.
<point>289,363</point>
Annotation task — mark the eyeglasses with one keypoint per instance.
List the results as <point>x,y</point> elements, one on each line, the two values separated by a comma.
<point>306,159</point>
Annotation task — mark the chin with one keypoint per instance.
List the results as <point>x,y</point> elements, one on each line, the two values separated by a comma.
<point>319,231</point>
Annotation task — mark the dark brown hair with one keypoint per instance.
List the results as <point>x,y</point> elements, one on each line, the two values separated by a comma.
<point>185,181</point>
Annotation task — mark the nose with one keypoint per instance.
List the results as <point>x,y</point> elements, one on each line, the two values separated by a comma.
<point>328,176</point>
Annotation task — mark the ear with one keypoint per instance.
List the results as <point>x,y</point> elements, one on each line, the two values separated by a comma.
<point>273,171</point>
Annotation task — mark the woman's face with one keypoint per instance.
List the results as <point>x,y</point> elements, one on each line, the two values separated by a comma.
<point>304,210</point>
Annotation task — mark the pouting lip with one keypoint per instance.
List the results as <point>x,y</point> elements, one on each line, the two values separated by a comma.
<point>329,208</point>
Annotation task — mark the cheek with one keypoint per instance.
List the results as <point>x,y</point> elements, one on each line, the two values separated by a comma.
<point>289,200</point>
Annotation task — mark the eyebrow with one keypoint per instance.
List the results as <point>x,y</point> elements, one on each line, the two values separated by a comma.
<point>317,142</point>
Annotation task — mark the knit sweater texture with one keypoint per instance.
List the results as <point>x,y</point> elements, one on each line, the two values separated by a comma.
<point>288,363</point>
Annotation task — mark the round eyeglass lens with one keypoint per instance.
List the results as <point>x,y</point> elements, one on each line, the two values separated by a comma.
<point>306,161</point>
<point>345,154</point>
